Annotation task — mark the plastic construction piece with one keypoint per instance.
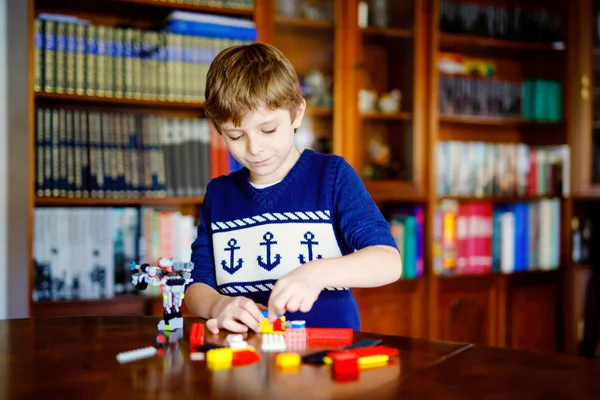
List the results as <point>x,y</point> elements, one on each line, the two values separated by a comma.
<point>219,358</point>
<point>161,338</point>
<point>273,342</point>
<point>345,366</point>
<point>315,358</point>
<point>172,275</point>
<point>329,337</point>
<point>234,338</point>
<point>364,342</point>
<point>197,356</point>
<point>298,324</point>
<point>196,335</point>
<point>207,347</point>
<point>136,354</point>
<point>288,360</point>
<point>245,357</point>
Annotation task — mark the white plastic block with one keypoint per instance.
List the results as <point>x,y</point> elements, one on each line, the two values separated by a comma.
<point>197,356</point>
<point>136,354</point>
<point>234,338</point>
<point>238,345</point>
<point>273,342</point>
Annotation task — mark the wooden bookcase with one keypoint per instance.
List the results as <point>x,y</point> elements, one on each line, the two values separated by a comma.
<point>530,310</point>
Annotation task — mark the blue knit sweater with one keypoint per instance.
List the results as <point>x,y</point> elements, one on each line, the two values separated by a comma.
<point>249,237</point>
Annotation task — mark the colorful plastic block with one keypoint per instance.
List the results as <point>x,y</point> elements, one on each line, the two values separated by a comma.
<point>196,334</point>
<point>345,366</point>
<point>273,342</point>
<point>298,324</point>
<point>219,358</point>
<point>245,357</point>
<point>288,360</point>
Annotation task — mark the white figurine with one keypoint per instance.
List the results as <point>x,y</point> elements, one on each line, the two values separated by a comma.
<point>172,275</point>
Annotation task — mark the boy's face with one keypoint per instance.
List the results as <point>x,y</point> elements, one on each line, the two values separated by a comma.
<point>264,143</point>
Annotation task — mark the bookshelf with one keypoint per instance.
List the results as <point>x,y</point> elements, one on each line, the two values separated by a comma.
<point>395,149</point>
<point>584,220</point>
<point>491,302</point>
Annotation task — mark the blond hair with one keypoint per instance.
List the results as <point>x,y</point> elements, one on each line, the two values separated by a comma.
<point>242,78</point>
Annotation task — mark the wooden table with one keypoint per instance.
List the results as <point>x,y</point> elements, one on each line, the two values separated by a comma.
<point>68,357</point>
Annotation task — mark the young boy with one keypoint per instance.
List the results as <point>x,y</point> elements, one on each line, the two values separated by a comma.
<point>291,232</point>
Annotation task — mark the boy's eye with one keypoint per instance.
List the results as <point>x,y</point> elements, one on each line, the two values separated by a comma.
<point>271,131</point>
<point>235,138</point>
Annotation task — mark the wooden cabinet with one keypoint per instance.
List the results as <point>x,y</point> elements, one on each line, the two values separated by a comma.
<point>396,309</point>
<point>467,310</point>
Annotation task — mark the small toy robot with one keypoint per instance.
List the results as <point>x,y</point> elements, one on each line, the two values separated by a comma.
<point>172,275</point>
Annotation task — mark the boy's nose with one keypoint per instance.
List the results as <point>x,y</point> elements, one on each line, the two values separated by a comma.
<point>254,146</point>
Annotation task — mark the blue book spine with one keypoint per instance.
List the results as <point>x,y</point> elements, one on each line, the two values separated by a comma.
<point>211,30</point>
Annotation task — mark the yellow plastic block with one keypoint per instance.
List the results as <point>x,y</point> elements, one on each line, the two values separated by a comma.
<point>220,355</point>
<point>287,360</point>
<point>372,361</point>
<point>365,362</point>
<point>265,326</point>
<point>218,365</point>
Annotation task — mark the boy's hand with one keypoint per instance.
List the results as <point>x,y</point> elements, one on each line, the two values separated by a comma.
<point>297,291</point>
<point>236,314</point>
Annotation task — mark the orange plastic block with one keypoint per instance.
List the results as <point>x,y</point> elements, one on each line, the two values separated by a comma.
<point>244,357</point>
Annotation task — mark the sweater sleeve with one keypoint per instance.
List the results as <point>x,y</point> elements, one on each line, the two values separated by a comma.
<point>202,249</point>
<point>356,214</point>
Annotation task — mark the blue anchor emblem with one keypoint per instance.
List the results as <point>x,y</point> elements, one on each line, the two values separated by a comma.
<point>232,269</point>
<point>309,236</point>
<point>268,241</point>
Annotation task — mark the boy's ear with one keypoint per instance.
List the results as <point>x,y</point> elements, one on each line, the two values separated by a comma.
<point>301,109</point>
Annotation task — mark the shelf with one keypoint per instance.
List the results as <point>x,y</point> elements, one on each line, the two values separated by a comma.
<point>387,32</point>
<point>174,5</point>
<point>519,275</point>
<point>400,116</point>
<point>469,41</point>
<point>393,190</point>
<point>83,202</point>
<point>303,22</point>
<point>497,199</point>
<point>319,111</point>
<point>112,101</point>
<point>494,121</point>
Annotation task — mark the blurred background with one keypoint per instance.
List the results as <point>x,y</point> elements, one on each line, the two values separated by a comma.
<point>472,123</point>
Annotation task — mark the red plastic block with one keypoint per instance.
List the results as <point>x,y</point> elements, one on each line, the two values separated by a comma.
<point>244,357</point>
<point>345,366</point>
<point>278,325</point>
<point>330,333</point>
<point>329,337</point>
<point>196,334</point>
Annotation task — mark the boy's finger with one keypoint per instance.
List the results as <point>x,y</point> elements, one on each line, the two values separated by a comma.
<point>277,306</point>
<point>305,305</point>
<point>212,326</point>
<point>247,319</point>
<point>293,303</point>
<point>234,326</point>
<point>252,308</point>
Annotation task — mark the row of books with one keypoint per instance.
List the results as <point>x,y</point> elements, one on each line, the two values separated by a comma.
<point>407,224</point>
<point>519,22</point>
<point>481,238</point>
<point>241,4</point>
<point>99,154</point>
<point>531,99</point>
<point>84,253</point>
<point>74,56</point>
<point>501,169</point>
